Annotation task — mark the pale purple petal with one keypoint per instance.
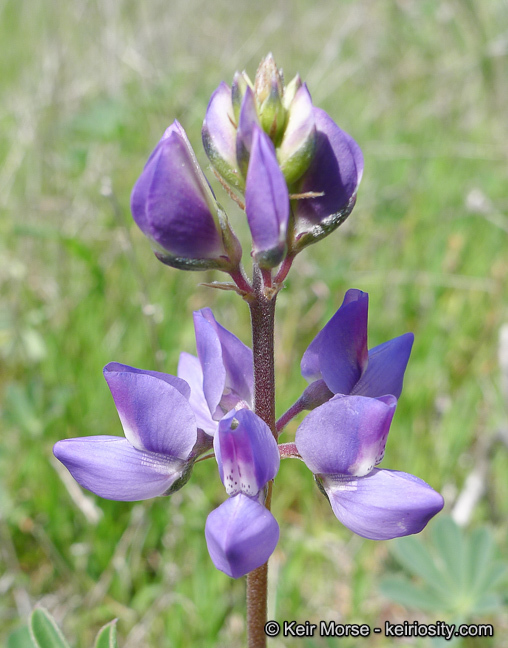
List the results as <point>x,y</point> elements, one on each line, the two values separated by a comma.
<point>228,372</point>
<point>299,141</point>
<point>338,353</point>
<point>347,435</point>
<point>210,356</point>
<point>111,468</point>
<point>219,135</point>
<point>189,368</point>
<point>174,381</point>
<point>266,202</point>
<point>336,170</point>
<point>343,351</point>
<point>247,122</point>
<point>241,535</point>
<point>247,453</point>
<point>384,504</point>
<point>173,204</point>
<point>154,415</point>
<point>386,367</point>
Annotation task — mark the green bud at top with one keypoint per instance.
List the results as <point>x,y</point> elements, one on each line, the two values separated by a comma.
<point>269,90</point>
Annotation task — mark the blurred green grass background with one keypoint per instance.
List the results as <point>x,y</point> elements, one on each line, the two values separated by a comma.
<point>87,89</point>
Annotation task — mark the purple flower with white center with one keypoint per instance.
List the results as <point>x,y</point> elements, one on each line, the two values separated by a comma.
<point>161,439</point>
<point>241,533</point>
<point>337,361</point>
<point>174,206</point>
<point>221,377</point>
<point>341,441</point>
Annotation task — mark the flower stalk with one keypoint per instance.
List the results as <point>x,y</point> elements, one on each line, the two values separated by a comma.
<point>262,311</point>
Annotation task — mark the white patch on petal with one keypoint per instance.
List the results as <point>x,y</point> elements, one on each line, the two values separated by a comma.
<point>239,478</point>
<point>161,464</point>
<point>340,483</point>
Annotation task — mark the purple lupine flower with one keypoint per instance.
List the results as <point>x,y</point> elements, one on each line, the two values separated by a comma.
<point>160,445</point>
<point>241,533</point>
<point>174,206</point>
<point>337,360</point>
<point>221,377</point>
<point>341,441</point>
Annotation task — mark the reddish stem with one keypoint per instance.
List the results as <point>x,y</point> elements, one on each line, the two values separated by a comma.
<point>262,310</point>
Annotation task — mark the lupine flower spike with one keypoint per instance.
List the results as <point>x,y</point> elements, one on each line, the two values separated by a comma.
<point>296,175</point>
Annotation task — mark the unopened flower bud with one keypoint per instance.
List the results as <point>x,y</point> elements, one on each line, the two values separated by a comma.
<point>247,121</point>
<point>241,82</point>
<point>268,77</point>
<point>266,202</point>
<point>219,136</point>
<point>299,143</point>
<point>269,88</point>
<point>290,90</point>
<point>328,188</point>
<point>174,206</point>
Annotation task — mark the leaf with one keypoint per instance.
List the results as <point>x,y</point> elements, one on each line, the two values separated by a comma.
<point>402,591</point>
<point>414,556</point>
<point>449,542</point>
<point>494,575</point>
<point>20,638</point>
<point>106,637</point>
<point>479,556</point>
<point>487,604</point>
<point>44,631</point>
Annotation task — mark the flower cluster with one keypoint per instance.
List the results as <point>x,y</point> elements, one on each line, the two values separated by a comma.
<point>286,162</point>
<point>170,421</point>
<point>296,174</point>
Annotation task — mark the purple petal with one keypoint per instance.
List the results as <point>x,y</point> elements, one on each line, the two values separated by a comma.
<point>175,382</point>
<point>241,535</point>
<point>386,367</point>
<point>154,415</point>
<point>247,453</point>
<point>111,468</point>
<point>173,204</point>
<point>266,202</point>
<point>347,435</point>
<point>299,141</point>
<point>189,368</point>
<point>246,124</point>
<point>338,353</point>
<point>219,135</point>
<point>336,170</point>
<point>228,373</point>
<point>384,504</point>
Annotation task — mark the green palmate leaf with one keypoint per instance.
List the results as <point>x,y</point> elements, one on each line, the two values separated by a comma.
<point>414,556</point>
<point>44,631</point>
<point>487,604</point>
<point>20,638</point>
<point>403,591</point>
<point>450,544</point>
<point>494,575</point>
<point>479,556</point>
<point>107,636</point>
